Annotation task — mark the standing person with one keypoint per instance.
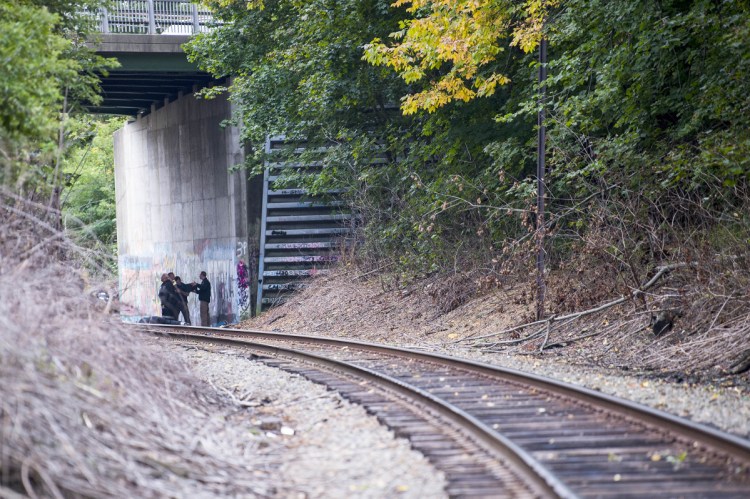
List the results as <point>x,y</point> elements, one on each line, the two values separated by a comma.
<point>168,298</point>
<point>204,297</point>
<point>183,290</point>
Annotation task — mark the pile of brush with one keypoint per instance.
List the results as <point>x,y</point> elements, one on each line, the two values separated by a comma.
<point>89,407</point>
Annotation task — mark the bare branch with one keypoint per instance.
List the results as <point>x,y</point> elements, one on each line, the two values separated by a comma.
<point>635,293</point>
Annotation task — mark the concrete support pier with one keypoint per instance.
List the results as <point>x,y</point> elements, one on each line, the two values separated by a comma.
<point>179,208</point>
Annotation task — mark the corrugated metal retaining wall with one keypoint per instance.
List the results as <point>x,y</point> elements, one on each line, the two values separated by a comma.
<point>300,234</point>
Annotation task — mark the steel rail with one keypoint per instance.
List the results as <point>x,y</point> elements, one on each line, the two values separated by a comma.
<point>572,432</point>
<point>533,473</point>
<point>736,446</point>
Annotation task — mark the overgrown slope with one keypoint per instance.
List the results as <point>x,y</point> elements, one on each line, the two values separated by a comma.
<point>707,337</point>
<point>87,407</point>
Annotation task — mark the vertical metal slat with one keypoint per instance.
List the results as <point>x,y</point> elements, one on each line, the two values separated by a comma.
<point>262,246</point>
<point>105,19</point>
<point>196,24</point>
<point>151,18</point>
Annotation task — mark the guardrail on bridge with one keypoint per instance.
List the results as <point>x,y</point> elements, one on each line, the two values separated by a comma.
<point>154,17</point>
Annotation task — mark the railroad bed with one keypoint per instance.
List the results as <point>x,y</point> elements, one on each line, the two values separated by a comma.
<point>497,432</point>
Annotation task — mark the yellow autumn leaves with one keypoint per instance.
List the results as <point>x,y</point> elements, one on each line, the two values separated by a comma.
<point>449,42</point>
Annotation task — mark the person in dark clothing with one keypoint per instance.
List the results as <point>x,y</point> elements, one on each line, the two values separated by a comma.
<point>204,297</point>
<point>183,290</point>
<point>168,298</point>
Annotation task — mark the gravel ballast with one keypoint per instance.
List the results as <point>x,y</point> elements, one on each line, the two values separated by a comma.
<point>341,306</point>
<point>723,407</point>
<point>328,447</point>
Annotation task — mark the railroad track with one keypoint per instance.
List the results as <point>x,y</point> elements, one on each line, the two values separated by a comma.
<point>497,432</point>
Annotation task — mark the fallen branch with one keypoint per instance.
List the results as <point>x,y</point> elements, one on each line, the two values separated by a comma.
<point>633,294</point>
<point>573,340</point>
<point>546,336</point>
<point>518,340</point>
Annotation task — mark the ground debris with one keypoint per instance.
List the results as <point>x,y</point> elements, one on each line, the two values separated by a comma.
<point>615,345</point>
<point>87,407</point>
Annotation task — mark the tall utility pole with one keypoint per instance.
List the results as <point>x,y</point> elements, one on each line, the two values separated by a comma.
<point>540,167</point>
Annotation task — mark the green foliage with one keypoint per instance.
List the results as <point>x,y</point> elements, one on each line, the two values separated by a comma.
<point>647,109</point>
<point>298,70</point>
<point>88,199</point>
<point>45,67</point>
<point>32,72</point>
<point>297,67</point>
<point>655,89</point>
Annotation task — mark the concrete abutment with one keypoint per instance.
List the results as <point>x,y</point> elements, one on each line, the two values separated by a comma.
<point>181,209</point>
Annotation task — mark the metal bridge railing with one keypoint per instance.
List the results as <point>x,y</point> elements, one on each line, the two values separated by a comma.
<point>154,17</point>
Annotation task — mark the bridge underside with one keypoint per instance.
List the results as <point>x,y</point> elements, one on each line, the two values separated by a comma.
<point>153,71</point>
<point>131,93</point>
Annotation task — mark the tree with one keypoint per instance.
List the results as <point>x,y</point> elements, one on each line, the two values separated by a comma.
<point>646,108</point>
<point>453,43</point>
<point>298,70</point>
<point>88,199</point>
<point>46,70</point>
<point>628,77</point>
<point>32,71</point>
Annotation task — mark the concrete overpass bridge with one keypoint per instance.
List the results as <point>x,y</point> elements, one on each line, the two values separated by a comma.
<point>181,206</point>
<point>146,37</point>
<point>154,72</point>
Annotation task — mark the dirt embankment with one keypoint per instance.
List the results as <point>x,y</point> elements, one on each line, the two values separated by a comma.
<point>369,307</point>
<point>684,371</point>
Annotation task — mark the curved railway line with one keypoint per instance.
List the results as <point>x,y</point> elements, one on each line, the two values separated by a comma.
<point>498,432</point>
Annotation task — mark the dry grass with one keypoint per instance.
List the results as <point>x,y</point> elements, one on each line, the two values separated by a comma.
<point>87,407</point>
<point>710,336</point>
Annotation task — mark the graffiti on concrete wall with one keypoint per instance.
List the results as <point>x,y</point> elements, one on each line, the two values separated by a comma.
<point>243,287</point>
<point>140,279</point>
<point>241,249</point>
